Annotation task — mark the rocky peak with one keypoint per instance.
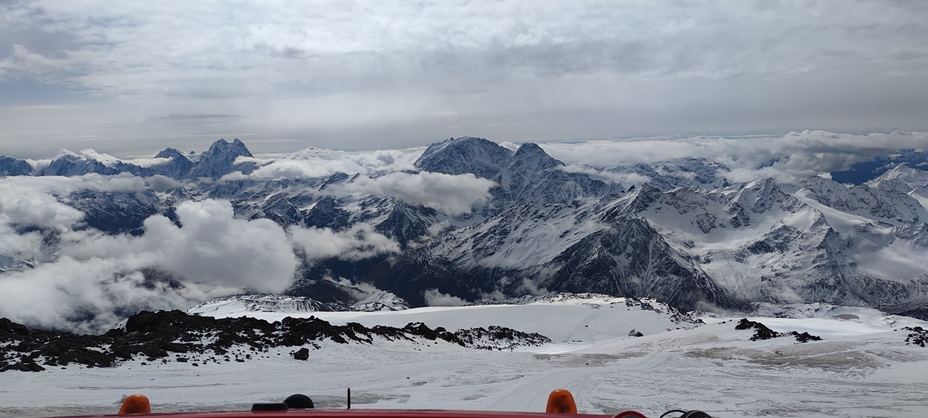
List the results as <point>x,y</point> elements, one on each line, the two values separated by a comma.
<point>219,160</point>
<point>478,156</point>
<point>179,165</point>
<point>530,154</point>
<point>527,164</point>
<point>171,153</point>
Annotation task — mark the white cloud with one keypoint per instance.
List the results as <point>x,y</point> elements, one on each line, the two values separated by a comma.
<point>94,278</point>
<point>17,246</point>
<point>210,246</point>
<point>359,242</point>
<point>315,162</point>
<point>443,192</point>
<point>90,154</point>
<point>87,295</point>
<point>435,298</point>
<point>25,206</point>
<point>625,179</point>
<point>146,161</point>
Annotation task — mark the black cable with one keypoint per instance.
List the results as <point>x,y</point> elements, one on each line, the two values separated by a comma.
<point>673,410</point>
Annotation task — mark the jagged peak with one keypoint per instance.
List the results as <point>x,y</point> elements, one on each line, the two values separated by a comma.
<point>171,153</point>
<point>532,152</point>
<point>764,184</point>
<point>236,147</point>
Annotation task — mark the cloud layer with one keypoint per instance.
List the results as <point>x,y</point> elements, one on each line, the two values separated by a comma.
<point>123,78</point>
<point>806,153</point>
<point>446,193</point>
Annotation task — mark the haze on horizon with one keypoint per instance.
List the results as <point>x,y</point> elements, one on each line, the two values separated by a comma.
<point>135,78</point>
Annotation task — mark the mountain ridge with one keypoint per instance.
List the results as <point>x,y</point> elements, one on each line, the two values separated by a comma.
<point>688,236</point>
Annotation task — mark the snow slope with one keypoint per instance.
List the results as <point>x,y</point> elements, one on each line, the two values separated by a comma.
<point>863,367</point>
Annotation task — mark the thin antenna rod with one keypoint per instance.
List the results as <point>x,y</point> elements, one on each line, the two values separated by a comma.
<point>349,398</point>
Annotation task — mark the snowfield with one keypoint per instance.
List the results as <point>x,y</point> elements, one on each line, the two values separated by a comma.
<point>862,368</point>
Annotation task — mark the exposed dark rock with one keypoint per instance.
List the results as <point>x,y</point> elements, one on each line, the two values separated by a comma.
<point>301,354</point>
<point>166,334</point>
<point>763,333</point>
<point>10,327</point>
<point>918,336</point>
<point>805,337</point>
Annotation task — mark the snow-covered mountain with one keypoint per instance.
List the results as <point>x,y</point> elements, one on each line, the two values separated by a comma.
<point>688,235</point>
<point>10,166</point>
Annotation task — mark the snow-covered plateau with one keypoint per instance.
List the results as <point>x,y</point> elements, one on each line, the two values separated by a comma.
<point>862,366</point>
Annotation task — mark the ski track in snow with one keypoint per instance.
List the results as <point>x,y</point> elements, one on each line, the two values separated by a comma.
<point>863,368</point>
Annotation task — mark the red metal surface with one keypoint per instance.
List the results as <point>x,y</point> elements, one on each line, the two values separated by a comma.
<point>355,413</point>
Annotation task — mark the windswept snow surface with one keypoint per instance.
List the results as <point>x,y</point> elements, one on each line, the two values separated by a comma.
<point>862,368</point>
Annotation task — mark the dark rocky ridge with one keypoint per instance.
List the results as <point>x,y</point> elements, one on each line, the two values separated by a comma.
<point>763,333</point>
<point>166,336</point>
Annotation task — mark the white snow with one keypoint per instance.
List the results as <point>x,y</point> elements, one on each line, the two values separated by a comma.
<point>862,368</point>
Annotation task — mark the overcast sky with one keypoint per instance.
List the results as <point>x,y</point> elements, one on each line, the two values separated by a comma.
<point>130,78</point>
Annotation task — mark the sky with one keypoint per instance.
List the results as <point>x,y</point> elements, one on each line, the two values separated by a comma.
<point>131,78</point>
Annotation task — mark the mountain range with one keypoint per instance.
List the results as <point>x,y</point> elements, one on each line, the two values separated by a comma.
<point>687,235</point>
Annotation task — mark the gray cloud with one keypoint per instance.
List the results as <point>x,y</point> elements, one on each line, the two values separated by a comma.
<point>396,74</point>
<point>200,116</point>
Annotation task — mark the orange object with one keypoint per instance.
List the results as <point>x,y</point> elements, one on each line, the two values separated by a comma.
<point>561,401</point>
<point>135,404</point>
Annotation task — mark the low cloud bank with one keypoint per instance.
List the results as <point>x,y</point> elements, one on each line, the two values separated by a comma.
<point>446,193</point>
<point>315,162</point>
<point>359,242</point>
<point>806,153</point>
<point>435,298</point>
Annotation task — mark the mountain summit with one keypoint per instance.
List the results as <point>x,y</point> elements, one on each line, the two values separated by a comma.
<point>478,156</point>
<point>219,160</point>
